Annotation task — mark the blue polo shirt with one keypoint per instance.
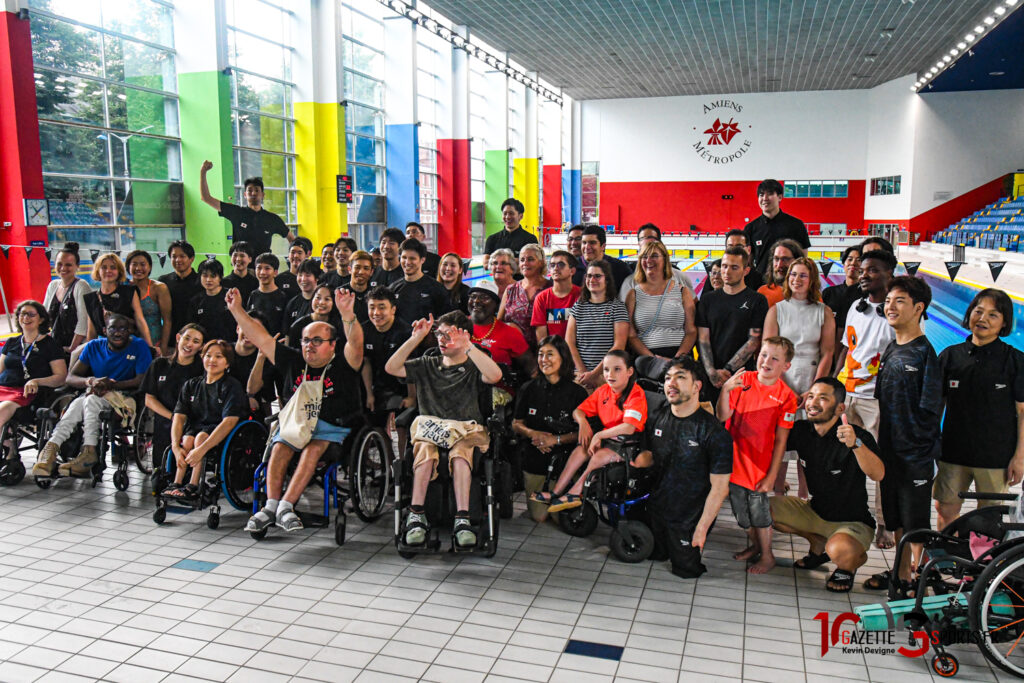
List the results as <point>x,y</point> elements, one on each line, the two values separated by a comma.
<point>121,365</point>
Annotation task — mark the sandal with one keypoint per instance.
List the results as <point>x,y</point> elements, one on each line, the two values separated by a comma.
<point>811,561</point>
<point>879,582</point>
<point>569,501</point>
<point>841,581</point>
<point>543,497</point>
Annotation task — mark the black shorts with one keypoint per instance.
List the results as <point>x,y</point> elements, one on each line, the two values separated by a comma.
<point>751,508</point>
<point>906,501</point>
<point>194,430</point>
<point>672,543</point>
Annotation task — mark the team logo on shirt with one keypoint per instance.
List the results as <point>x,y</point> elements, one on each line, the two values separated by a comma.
<point>162,378</point>
<point>532,411</point>
<point>745,306</point>
<point>789,417</point>
<point>836,472</point>
<point>692,443</point>
<point>955,384</point>
<point>920,482</point>
<point>1000,386</point>
<point>243,225</point>
<point>910,368</point>
<point>657,432</point>
<point>635,414</point>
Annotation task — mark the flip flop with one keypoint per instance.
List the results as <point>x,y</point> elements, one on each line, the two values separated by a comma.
<point>843,581</point>
<point>811,561</point>
<point>567,502</point>
<point>878,582</point>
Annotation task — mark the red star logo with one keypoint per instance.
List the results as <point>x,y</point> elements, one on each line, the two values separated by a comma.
<point>722,133</point>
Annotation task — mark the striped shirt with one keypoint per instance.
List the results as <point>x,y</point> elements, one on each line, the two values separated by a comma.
<point>595,328</point>
<point>666,327</point>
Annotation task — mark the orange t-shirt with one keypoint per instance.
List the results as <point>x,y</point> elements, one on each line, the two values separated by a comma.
<point>773,293</point>
<point>757,411</point>
<point>604,404</point>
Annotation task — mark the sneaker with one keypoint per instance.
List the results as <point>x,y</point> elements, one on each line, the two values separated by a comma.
<point>261,520</point>
<point>47,456</point>
<point>465,537</point>
<point>289,521</point>
<point>83,463</point>
<point>416,528</point>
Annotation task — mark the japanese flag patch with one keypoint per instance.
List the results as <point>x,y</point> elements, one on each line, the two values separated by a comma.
<point>954,384</point>
<point>789,417</point>
<point>532,411</point>
<point>657,432</point>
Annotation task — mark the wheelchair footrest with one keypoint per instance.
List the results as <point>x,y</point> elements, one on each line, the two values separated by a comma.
<point>311,520</point>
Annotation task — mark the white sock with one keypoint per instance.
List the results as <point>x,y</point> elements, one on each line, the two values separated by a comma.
<point>271,505</point>
<point>284,507</point>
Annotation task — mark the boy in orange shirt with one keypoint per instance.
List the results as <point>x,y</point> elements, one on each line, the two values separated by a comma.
<point>758,410</point>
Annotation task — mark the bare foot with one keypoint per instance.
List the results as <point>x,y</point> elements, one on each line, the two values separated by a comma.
<point>746,554</point>
<point>884,539</point>
<point>762,566</point>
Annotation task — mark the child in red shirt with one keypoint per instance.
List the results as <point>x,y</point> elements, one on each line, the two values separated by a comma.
<point>758,409</point>
<point>621,406</point>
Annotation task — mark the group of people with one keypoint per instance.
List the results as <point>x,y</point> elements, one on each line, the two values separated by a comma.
<point>763,366</point>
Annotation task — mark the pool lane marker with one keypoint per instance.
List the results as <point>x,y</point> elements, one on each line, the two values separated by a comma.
<point>599,650</point>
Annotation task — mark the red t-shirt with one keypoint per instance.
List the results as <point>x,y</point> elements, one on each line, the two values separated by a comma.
<point>553,311</point>
<point>604,404</point>
<point>504,342</point>
<point>757,411</point>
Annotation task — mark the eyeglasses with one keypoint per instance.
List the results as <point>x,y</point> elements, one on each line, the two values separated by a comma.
<point>28,314</point>
<point>574,239</point>
<point>315,341</point>
<point>594,276</point>
<point>555,265</point>
<point>442,336</point>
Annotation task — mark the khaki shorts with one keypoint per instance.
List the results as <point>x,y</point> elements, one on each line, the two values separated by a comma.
<point>425,450</point>
<point>532,483</point>
<point>798,515</point>
<point>952,479</point>
<point>863,412</point>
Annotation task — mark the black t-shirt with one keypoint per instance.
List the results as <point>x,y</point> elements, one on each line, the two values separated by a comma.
<point>271,305</point>
<point>384,278</point>
<point>729,318</point>
<point>242,368</point>
<point>245,285</point>
<point>431,264</point>
<point>205,405</point>
<point>298,307</point>
<point>296,328</point>
<point>333,280</point>
<point>420,299</point>
<point>34,357</point>
<point>182,289</point>
<point>212,313</point>
<point>458,298</point>
<point>359,305</point>
<point>165,378</point>
<point>341,398</point>
<point>547,407</point>
<point>982,386</point>
<point>254,227</point>
<point>620,271</point>
<point>503,239</point>
<point>835,480</point>
<point>840,298</point>
<point>378,347</point>
<point>687,451</point>
<point>909,392</point>
<point>98,304</point>
<point>763,232</point>
<point>287,283</point>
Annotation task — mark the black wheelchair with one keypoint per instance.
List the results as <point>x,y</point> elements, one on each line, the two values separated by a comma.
<point>358,470</point>
<point>227,470</point>
<point>974,570</point>
<point>25,428</point>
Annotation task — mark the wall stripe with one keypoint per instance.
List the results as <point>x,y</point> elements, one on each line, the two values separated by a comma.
<point>403,173</point>
<point>454,213</point>
<point>552,202</point>
<point>526,188</point>
<point>495,189</point>
<point>571,179</point>
<point>320,158</point>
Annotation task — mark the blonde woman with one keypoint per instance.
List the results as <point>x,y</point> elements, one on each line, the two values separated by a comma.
<point>114,296</point>
<point>517,302</point>
<point>661,311</point>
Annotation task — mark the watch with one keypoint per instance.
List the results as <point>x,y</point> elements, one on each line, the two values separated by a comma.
<point>858,443</point>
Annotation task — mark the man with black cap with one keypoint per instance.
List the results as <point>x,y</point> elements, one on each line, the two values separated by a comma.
<point>504,342</point>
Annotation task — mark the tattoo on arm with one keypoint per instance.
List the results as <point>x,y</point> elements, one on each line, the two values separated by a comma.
<point>747,350</point>
<point>704,347</point>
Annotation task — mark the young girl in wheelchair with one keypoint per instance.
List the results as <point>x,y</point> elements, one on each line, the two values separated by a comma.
<point>621,407</point>
<point>207,410</point>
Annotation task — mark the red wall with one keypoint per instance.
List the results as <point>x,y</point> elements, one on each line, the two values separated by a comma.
<point>453,197</point>
<point>552,200</point>
<point>943,215</point>
<point>674,206</point>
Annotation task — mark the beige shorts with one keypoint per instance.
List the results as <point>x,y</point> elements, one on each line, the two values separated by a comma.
<point>952,479</point>
<point>425,450</point>
<point>798,515</point>
<point>863,412</point>
<point>533,483</point>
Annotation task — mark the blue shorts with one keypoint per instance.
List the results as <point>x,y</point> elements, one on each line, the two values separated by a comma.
<point>324,431</point>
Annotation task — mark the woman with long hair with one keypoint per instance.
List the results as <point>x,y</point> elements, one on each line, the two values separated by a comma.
<point>323,311</point>
<point>114,296</point>
<point>502,266</point>
<point>517,302</point>
<point>661,311</point>
<point>804,319</point>
<point>449,273</point>
<point>65,300</point>
<point>154,298</point>
<point>598,323</point>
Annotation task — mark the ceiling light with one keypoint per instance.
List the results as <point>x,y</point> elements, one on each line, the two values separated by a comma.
<point>969,37</point>
<point>947,59</point>
<point>933,71</point>
<point>1011,3</point>
<point>996,73</point>
<point>1000,10</point>
<point>870,57</point>
<point>962,45</point>
<point>979,29</point>
<point>913,88</point>
<point>886,32</point>
<point>954,52</point>
<point>939,64</point>
<point>989,21</point>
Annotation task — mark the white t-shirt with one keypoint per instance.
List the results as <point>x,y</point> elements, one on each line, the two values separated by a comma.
<point>865,337</point>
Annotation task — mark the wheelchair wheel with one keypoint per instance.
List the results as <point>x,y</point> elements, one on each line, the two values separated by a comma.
<point>163,474</point>
<point>996,609</point>
<point>121,480</point>
<point>579,522</point>
<point>369,474</point>
<point>638,550</point>
<point>240,456</point>
<point>945,665</point>
<point>339,529</point>
<point>142,444</point>
<point>12,471</point>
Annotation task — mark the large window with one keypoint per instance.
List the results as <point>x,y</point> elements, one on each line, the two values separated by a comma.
<point>263,123</point>
<point>108,121</point>
<point>815,188</point>
<point>428,104</point>
<point>887,185</point>
<point>363,39</point>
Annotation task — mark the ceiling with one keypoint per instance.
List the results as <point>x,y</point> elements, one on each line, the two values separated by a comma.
<point>994,63</point>
<point>599,49</point>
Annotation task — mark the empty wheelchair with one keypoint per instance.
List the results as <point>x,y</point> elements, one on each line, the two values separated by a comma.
<point>358,470</point>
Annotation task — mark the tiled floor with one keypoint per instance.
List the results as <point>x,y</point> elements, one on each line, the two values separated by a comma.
<point>92,589</point>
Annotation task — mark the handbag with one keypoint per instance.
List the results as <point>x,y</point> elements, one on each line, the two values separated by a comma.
<point>300,414</point>
<point>441,432</point>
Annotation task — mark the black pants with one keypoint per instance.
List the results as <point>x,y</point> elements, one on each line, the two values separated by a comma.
<point>672,543</point>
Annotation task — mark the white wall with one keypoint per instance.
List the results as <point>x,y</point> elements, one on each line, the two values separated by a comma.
<point>964,140</point>
<point>892,112</point>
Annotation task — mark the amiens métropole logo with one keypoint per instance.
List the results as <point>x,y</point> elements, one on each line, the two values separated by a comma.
<point>725,139</point>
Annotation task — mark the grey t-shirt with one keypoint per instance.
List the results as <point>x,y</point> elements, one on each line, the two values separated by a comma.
<point>452,392</point>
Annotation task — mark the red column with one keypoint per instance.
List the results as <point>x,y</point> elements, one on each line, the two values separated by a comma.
<point>21,169</point>
<point>552,200</point>
<point>453,197</point>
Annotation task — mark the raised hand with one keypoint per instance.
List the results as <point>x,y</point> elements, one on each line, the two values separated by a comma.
<point>345,301</point>
<point>845,433</point>
<point>207,165</point>
<point>422,327</point>
<point>734,382</point>
<point>233,300</point>
<point>459,339</point>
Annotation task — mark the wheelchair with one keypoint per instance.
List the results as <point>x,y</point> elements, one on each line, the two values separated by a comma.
<point>490,498</point>
<point>975,570</point>
<point>23,429</point>
<point>357,470</point>
<point>228,470</point>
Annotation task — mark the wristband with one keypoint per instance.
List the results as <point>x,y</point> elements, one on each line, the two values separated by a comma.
<point>348,322</point>
<point>558,439</point>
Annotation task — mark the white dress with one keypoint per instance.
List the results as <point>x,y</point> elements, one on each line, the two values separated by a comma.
<point>800,322</point>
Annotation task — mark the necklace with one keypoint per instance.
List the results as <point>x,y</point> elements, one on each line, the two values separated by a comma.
<point>491,329</point>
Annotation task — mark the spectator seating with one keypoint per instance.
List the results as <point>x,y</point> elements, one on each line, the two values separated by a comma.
<point>998,226</point>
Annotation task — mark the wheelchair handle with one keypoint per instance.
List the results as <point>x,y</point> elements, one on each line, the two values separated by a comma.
<point>968,495</point>
<point>270,419</point>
